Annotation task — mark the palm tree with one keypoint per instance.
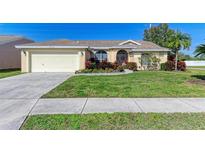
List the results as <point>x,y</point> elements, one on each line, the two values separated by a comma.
<point>200,50</point>
<point>179,41</point>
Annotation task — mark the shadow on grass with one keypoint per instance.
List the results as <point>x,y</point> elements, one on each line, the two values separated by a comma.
<point>9,70</point>
<point>201,77</point>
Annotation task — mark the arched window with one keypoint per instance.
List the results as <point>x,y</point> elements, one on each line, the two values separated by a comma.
<point>101,55</point>
<point>122,56</point>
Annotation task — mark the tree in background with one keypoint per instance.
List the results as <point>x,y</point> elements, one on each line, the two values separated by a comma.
<point>166,37</point>
<point>160,34</point>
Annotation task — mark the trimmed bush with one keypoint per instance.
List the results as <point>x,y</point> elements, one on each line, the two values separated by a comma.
<point>171,58</point>
<point>131,66</point>
<point>100,65</point>
<point>109,70</point>
<point>181,66</point>
<point>135,69</point>
<point>115,65</point>
<point>88,64</point>
<point>104,65</point>
<point>169,65</point>
<point>162,66</point>
<point>120,68</point>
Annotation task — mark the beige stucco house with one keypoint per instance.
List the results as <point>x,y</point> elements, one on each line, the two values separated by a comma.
<point>10,57</point>
<point>69,55</point>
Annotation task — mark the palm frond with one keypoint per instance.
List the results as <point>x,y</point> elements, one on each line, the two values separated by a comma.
<point>200,50</point>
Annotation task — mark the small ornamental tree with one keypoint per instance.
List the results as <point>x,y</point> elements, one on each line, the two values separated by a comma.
<point>154,63</point>
<point>179,41</point>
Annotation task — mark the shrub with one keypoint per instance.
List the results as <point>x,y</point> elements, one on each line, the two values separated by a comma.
<point>120,68</point>
<point>162,66</point>
<point>135,69</point>
<point>95,70</point>
<point>154,63</point>
<point>108,70</point>
<point>181,66</point>
<point>131,66</point>
<point>93,65</point>
<point>88,64</point>
<point>169,65</point>
<point>171,58</point>
<point>86,71</point>
<point>92,60</point>
<point>107,67</point>
<point>104,65</point>
<point>115,65</point>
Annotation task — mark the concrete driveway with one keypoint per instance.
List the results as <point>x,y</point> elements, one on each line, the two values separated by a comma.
<point>19,94</point>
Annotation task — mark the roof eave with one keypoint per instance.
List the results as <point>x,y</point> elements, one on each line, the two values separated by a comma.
<point>163,50</point>
<point>85,47</point>
<point>58,47</point>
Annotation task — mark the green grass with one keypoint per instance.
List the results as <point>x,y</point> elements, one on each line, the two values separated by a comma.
<point>117,121</point>
<point>139,84</point>
<point>9,72</point>
<point>196,67</point>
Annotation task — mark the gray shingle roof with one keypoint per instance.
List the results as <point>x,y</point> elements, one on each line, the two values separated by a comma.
<point>143,45</point>
<point>4,39</point>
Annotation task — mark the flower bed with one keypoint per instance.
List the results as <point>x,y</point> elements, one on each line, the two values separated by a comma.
<point>107,67</point>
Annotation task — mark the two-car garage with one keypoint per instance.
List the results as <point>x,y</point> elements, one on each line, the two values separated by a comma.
<point>54,62</point>
<point>53,56</point>
<point>51,60</point>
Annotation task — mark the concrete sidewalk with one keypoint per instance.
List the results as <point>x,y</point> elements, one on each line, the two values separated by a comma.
<point>110,105</point>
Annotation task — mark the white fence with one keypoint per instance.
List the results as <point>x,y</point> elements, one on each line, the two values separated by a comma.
<point>195,63</point>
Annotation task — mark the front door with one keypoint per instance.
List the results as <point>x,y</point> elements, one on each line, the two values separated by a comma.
<point>122,57</point>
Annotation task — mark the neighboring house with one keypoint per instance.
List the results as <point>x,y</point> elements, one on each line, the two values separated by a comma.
<point>10,57</point>
<point>69,56</point>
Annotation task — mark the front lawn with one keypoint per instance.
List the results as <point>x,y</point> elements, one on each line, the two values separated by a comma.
<point>195,67</point>
<point>8,73</point>
<point>139,84</point>
<point>118,121</point>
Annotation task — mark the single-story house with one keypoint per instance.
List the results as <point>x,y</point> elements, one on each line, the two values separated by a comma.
<point>10,57</point>
<point>69,55</point>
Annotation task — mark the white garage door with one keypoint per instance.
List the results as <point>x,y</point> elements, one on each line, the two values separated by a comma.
<point>54,62</point>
